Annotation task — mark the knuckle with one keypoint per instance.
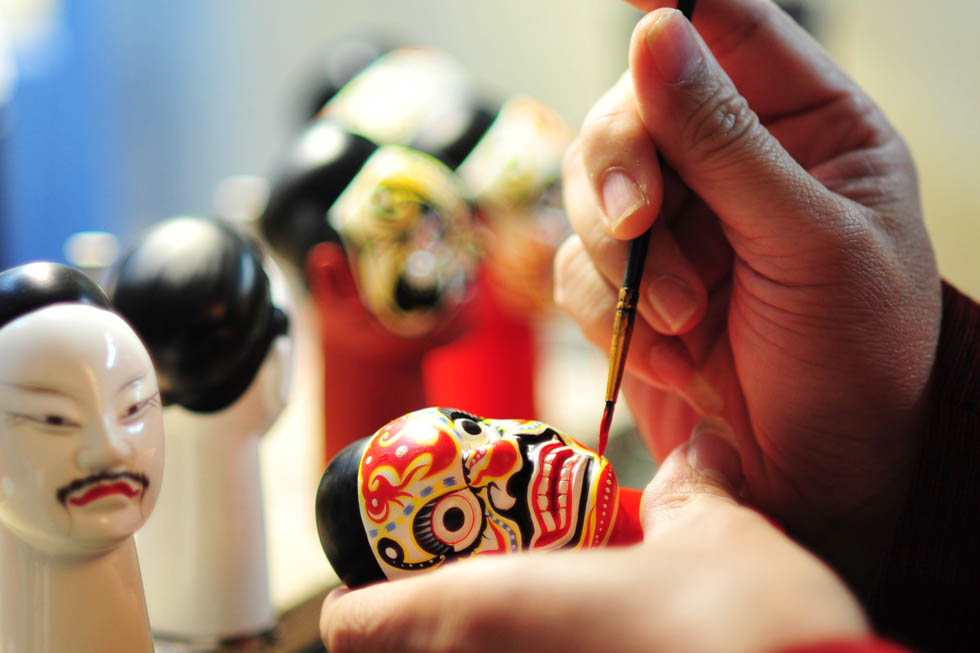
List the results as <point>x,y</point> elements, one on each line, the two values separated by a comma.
<point>346,631</point>
<point>613,138</point>
<point>588,304</point>
<point>724,125</point>
<point>618,97</point>
<point>573,156</point>
<point>753,19</point>
<point>600,125</point>
<point>563,268</point>
<point>714,517</point>
<point>669,502</point>
<point>359,623</point>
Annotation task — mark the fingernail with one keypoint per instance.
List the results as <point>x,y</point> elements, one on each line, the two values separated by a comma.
<point>621,196</point>
<point>675,50</point>
<point>703,396</point>
<point>673,300</point>
<point>710,452</point>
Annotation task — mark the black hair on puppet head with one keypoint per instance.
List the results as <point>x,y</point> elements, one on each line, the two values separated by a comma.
<point>196,292</point>
<point>27,288</point>
<point>339,523</point>
<point>317,168</point>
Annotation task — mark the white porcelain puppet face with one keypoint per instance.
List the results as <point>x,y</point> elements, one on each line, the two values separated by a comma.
<point>81,436</point>
<point>439,484</point>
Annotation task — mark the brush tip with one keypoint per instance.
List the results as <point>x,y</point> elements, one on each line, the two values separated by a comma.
<point>604,426</point>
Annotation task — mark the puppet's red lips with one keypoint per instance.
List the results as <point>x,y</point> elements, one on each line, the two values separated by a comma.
<point>102,490</point>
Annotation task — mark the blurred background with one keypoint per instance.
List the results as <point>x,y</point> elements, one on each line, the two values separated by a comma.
<point>115,115</point>
<point>118,114</point>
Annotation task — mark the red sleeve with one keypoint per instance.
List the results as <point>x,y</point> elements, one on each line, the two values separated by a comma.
<point>926,592</point>
<point>863,645</point>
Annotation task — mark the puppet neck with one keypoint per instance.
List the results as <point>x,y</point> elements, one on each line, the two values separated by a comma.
<point>209,525</point>
<point>65,604</point>
<point>361,393</point>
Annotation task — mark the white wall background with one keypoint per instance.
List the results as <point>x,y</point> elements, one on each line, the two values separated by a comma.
<point>234,71</point>
<point>186,93</point>
<point>921,62</point>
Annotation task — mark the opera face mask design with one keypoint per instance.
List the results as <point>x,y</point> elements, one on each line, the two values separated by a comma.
<point>81,437</point>
<point>438,484</point>
<point>410,238</point>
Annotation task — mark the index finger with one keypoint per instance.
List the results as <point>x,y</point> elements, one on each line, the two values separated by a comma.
<point>620,161</point>
<point>775,64</point>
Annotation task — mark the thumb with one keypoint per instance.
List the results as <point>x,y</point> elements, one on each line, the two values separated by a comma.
<point>710,135</point>
<point>702,473</point>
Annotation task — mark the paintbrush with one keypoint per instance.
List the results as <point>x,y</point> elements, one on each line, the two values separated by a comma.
<point>629,296</point>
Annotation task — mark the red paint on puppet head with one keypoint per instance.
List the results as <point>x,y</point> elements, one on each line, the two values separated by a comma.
<point>396,458</point>
<point>496,461</point>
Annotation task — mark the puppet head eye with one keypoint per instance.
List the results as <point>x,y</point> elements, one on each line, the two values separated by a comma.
<point>451,524</point>
<point>474,433</point>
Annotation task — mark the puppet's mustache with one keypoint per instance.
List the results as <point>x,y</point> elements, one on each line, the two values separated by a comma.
<point>80,483</point>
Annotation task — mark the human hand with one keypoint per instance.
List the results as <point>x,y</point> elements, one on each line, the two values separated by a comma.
<point>711,575</point>
<point>790,286</point>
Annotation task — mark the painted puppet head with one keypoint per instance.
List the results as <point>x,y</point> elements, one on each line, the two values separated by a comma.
<point>409,237</point>
<point>81,436</point>
<point>400,218</point>
<point>440,484</point>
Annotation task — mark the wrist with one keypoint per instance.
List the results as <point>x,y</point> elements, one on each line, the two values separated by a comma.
<point>933,552</point>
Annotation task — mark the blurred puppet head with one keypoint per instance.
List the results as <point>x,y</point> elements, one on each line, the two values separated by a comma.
<point>198,294</point>
<point>383,236</point>
<point>514,173</point>
<point>509,157</point>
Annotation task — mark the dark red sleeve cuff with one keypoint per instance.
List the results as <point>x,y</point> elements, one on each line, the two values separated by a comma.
<point>863,645</point>
<point>926,594</point>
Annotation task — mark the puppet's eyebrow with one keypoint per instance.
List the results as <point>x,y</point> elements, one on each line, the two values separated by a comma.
<point>133,381</point>
<point>36,389</point>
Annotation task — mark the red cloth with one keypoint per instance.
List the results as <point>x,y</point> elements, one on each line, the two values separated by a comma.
<point>626,530</point>
<point>490,371</point>
<point>926,592</point>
